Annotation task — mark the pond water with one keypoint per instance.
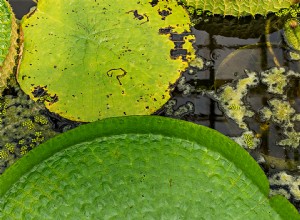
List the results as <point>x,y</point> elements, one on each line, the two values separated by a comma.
<point>229,48</point>
<point>234,52</point>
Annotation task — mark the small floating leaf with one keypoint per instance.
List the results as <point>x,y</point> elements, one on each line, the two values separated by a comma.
<point>95,59</point>
<point>139,167</point>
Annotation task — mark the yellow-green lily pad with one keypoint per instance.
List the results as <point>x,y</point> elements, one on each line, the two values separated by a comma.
<point>89,60</point>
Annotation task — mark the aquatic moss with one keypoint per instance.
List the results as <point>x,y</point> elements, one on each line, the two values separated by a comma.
<point>230,98</point>
<point>292,138</point>
<point>282,112</point>
<point>248,140</point>
<point>294,55</point>
<point>265,113</point>
<point>182,110</point>
<point>290,185</point>
<point>22,126</point>
<point>184,87</point>
<point>197,63</point>
<point>276,80</point>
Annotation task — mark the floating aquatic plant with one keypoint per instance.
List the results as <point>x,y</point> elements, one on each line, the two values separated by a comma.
<point>282,113</point>
<point>94,59</point>
<point>277,79</point>
<point>248,140</point>
<point>240,8</point>
<point>139,167</point>
<point>22,127</point>
<point>292,138</point>
<point>182,110</point>
<point>8,43</point>
<point>286,185</point>
<point>231,97</point>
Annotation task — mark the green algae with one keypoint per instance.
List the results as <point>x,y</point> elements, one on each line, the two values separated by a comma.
<point>231,98</point>
<point>289,185</point>
<point>22,126</point>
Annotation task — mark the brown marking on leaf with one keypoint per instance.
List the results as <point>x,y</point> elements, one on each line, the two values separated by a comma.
<point>139,16</point>
<point>110,73</point>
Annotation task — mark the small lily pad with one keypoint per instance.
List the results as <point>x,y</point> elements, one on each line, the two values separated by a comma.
<point>8,43</point>
<point>139,167</point>
<point>96,59</point>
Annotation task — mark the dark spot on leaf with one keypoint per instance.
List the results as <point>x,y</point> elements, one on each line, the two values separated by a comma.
<point>39,91</point>
<point>136,14</point>
<point>139,16</point>
<point>164,13</point>
<point>43,96</point>
<point>154,3</point>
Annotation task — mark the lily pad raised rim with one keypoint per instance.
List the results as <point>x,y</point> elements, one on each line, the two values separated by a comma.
<point>156,125</point>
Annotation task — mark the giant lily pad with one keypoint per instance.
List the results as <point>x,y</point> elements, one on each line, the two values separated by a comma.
<point>240,8</point>
<point>139,167</point>
<point>8,42</point>
<point>92,59</point>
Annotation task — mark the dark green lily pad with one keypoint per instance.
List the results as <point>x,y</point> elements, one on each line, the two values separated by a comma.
<point>139,167</point>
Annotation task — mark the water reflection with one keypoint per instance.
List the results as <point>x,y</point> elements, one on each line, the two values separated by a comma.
<point>233,46</point>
